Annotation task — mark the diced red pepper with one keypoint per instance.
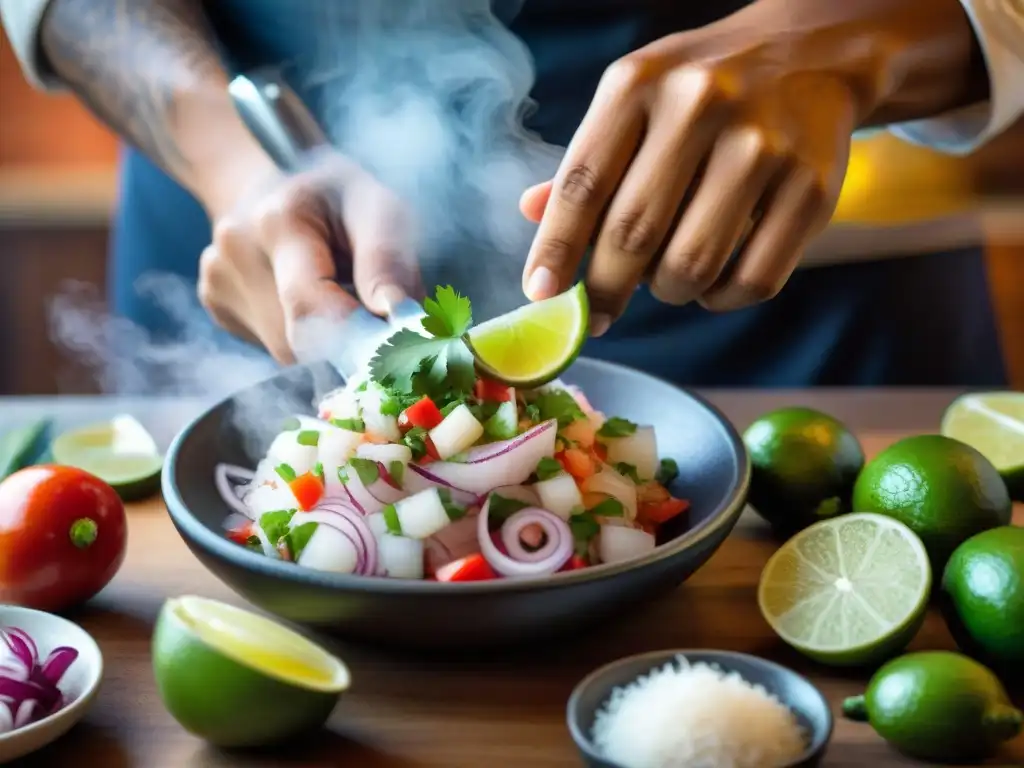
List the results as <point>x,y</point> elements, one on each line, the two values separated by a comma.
<point>577,463</point>
<point>240,533</point>
<point>307,489</point>
<point>658,512</point>
<point>423,413</point>
<point>574,563</point>
<point>471,568</point>
<point>431,454</point>
<point>493,391</point>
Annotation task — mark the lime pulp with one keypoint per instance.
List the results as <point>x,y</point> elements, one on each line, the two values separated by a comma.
<point>993,424</point>
<point>532,345</point>
<point>847,591</point>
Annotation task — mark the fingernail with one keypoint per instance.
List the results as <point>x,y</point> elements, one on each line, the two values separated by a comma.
<point>599,324</point>
<point>542,284</point>
<point>387,297</point>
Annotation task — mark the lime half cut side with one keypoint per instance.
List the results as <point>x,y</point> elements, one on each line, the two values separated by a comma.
<point>120,452</point>
<point>847,591</point>
<point>992,423</point>
<point>532,345</point>
<point>236,678</point>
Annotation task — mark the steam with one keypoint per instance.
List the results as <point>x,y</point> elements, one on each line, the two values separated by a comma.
<point>428,96</point>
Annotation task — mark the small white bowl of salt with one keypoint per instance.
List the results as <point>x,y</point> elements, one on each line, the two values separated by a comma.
<point>698,709</point>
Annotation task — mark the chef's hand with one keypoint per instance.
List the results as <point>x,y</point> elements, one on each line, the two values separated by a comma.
<point>687,142</point>
<point>272,262</point>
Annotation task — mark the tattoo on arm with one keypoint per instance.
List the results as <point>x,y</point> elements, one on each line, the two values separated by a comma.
<point>130,61</point>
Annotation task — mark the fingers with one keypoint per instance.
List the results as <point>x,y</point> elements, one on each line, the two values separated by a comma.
<point>590,171</point>
<point>645,206</point>
<point>739,169</point>
<point>535,200</point>
<point>794,213</point>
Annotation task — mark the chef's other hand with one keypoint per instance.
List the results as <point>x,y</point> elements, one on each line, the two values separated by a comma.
<point>274,256</point>
<point>694,145</point>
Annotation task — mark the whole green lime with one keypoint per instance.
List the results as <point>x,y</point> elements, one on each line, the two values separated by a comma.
<point>945,491</point>
<point>804,464</point>
<point>983,598</point>
<point>937,706</point>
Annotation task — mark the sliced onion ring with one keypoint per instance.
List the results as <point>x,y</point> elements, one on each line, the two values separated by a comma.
<point>559,539</point>
<point>226,477</point>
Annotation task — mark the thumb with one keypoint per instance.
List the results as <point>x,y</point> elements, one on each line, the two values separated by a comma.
<point>534,200</point>
<point>380,233</point>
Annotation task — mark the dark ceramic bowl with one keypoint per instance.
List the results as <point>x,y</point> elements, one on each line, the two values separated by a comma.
<point>796,692</point>
<point>714,475</point>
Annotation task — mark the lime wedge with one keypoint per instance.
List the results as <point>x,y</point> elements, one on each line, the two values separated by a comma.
<point>120,452</point>
<point>236,678</point>
<point>22,446</point>
<point>847,591</point>
<point>532,345</point>
<point>992,423</point>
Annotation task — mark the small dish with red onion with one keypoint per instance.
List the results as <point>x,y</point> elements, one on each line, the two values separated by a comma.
<point>423,469</point>
<point>50,670</point>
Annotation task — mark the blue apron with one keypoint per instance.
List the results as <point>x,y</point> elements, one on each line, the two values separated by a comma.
<point>919,320</point>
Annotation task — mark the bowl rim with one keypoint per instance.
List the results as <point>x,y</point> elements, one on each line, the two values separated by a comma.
<point>819,740</point>
<point>723,517</point>
<point>84,644</point>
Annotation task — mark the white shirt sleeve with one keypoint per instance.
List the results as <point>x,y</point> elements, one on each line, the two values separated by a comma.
<point>999,26</point>
<point>21,20</point>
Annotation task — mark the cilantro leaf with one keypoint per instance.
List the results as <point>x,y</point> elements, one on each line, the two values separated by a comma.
<point>285,472</point>
<point>548,468</point>
<point>275,524</point>
<point>366,469</point>
<point>453,510</point>
<point>352,425</point>
<point>415,440</point>
<point>298,537</point>
<point>616,427</point>
<point>453,369</point>
<point>399,360</point>
<point>584,528</point>
<point>391,521</point>
<point>449,315</point>
<point>502,508</point>
<point>309,438</point>
<point>668,471</point>
<point>608,508</point>
<point>628,470</point>
<point>397,471</point>
<point>558,404</point>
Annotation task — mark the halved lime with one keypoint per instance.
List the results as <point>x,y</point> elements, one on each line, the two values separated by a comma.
<point>120,452</point>
<point>992,423</point>
<point>847,591</point>
<point>532,345</point>
<point>236,678</point>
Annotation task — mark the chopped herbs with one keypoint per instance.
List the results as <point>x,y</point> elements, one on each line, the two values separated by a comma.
<point>367,470</point>
<point>362,387</point>
<point>308,437</point>
<point>391,521</point>
<point>548,468</point>
<point>532,412</point>
<point>352,425</point>
<point>616,427</point>
<point>397,471</point>
<point>318,470</point>
<point>254,543</point>
<point>415,439</point>
<point>502,508</point>
<point>453,510</point>
<point>275,524</point>
<point>451,407</point>
<point>297,538</point>
<point>502,423</point>
<point>667,472</point>
<point>285,472</point>
<point>558,404</point>
<point>608,508</point>
<point>449,315</point>
<point>342,475</point>
<point>584,528</point>
<point>628,470</point>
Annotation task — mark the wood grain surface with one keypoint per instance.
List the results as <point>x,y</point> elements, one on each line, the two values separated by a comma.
<point>502,712</point>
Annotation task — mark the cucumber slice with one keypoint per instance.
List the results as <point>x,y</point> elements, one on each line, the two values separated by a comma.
<point>120,452</point>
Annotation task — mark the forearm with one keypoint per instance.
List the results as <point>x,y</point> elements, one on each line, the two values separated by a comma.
<point>904,59</point>
<point>150,70</point>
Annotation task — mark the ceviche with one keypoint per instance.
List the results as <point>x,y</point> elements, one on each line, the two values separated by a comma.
<point>423,469</point>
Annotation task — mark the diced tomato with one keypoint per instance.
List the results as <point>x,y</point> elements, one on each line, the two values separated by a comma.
<point>493,391</point>
<point>240,533</point>
<point>471,568</point>
<point>577,463</point>
<point>574,563</point>
<point>423,413</point>
<point>652,492</point>
<point>600,452</point>
<point>580,432</point>
<point>659,512</point>
<point>431,454</point>
<point>307,489</point>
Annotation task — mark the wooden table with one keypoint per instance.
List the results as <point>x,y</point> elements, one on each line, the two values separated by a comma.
<point>498,714</point>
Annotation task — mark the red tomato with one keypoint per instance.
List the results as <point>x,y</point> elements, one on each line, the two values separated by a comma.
<point>472,568</point>
<point>423,413</point>
<point>63,534</point>
<point>488,389</point>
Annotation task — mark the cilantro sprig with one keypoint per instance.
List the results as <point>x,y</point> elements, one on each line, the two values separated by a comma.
<point>438,364</point>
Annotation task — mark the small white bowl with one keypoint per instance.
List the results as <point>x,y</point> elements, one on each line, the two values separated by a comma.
<point>79,684</point>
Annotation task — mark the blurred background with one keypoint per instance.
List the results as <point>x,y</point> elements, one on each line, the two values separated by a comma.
<point>57,191</point>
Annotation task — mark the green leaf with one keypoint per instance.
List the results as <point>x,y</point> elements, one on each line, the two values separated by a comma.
<point>503,423</point>
<point>628,470</point>
<point>342,475</point>
<point>532,412</point>
<point>397,471</point>
<point>400,359</point>
<point>453,510</point>
<point>391,521</point>
<point>309,437</point>
<point>367,470</point>
<point>275,524</point>
<point>616,427</point>
<point>448,314</point>
<point>584,528</point>
<point>548,468</point>
<point>558,404</point>
<point>667,472</point>
<point>285,472</point>
<point>352,425</point>
<point>502,508</point>
<point>318,470</point>
<point>297,538</point>
<point>415,440</point>
<point>451,407</point>
<point>608,508</point>
<point>254,543</point>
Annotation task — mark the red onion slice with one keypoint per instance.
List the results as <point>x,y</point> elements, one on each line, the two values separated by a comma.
<point>226,477</point>
<point>21,645</point>
<point>555,529</point>
<point>513,527</point>
<point>348,521</point>
<point>359,495</point>
<point>422,479</point>
<point>57,663</point>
